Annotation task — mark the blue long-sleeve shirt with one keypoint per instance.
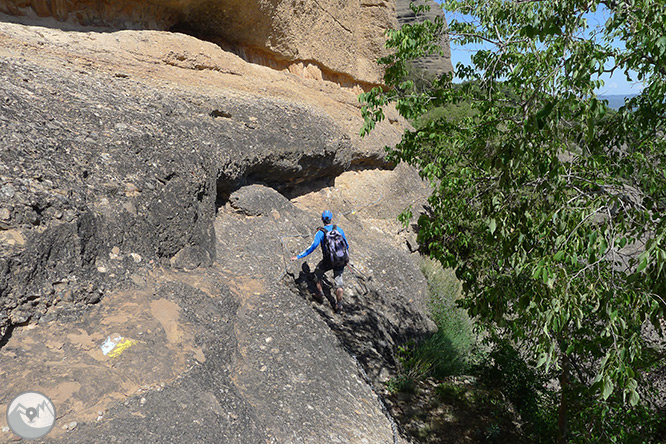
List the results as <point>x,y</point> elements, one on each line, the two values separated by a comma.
<point>320,237</point>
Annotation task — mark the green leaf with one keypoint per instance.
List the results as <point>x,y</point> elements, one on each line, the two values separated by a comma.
<point>603,247</point>
<point>537,272</point>
<point>607,388</point>
<point>492,225</point>
<point>543,114</point>
<point>633,397</point>
<point>643,261</point>
<point>661,44</point>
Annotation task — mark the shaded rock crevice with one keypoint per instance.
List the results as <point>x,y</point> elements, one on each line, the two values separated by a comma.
<point>324,173</point>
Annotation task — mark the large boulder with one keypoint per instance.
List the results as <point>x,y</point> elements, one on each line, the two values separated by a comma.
<point>336,40</point>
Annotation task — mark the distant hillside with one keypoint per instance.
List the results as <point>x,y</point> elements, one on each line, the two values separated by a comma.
<point>615,101</point>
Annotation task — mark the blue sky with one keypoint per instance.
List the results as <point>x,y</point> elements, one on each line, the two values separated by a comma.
<point>617,84</point>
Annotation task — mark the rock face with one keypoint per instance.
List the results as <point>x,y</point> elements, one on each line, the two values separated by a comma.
<point>98,163</point>
<point>124,178</point>
<point>331,39</point>
<point>433,64</point>
<point>153,187</point>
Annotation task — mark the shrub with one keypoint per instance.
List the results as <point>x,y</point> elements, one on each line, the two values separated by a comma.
<point>401,384</point>
<point>452,349</point>
<point>450,393</point>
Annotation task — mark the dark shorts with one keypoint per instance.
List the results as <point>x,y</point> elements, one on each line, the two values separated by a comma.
<point>323,267</point>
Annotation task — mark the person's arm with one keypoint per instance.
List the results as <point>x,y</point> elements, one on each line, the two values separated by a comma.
<point>315,243</point>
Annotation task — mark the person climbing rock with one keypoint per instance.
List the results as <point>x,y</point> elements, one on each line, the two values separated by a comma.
<point>335,255</point>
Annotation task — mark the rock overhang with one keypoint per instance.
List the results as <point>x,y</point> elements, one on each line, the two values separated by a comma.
<point>334,40</point>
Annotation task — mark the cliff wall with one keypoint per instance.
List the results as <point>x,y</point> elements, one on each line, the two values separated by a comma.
<point>434,64</point>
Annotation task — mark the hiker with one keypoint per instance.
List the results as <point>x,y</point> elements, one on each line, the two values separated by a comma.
<point>334,248</point>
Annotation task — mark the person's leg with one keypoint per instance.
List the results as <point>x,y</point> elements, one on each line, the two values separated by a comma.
<point>338,295</point>
<point>320,292</point>
<point>319,275</point>
<point>337,275</point>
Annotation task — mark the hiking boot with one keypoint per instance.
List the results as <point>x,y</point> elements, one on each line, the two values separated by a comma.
<point>338,307</point>
<point>319,297</point>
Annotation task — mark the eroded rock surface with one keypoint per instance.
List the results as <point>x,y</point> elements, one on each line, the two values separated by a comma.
<point>98,166</point>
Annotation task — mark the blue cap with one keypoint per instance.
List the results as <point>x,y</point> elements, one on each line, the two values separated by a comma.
<point>326,216</point>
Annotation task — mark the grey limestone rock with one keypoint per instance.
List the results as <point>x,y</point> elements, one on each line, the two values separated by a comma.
<point>112,163</point>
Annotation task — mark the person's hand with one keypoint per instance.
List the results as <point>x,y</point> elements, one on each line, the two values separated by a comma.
<point>293,258</point>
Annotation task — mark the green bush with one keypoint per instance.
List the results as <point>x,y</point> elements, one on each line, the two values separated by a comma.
<point>451,350</point>
<point>450,393</point>
<point>401,384</point>
<point>415,364</point>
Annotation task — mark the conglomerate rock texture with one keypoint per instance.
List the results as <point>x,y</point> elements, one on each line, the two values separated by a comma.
<point>153,187</point>
<point>333,39</point>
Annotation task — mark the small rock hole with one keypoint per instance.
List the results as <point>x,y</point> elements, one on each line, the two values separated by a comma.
<point>220,113</point>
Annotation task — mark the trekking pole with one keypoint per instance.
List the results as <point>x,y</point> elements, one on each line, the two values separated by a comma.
<point>284,260</point>
<point>354,269</point>
<point>356,273</point>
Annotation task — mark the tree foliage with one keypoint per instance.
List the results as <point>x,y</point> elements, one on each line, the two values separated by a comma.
<point>548,204</point>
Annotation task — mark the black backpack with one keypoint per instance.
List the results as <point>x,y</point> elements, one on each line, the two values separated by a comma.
<point>334,248</point>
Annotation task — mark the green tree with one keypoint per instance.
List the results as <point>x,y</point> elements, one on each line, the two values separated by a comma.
<point>547,204</point>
